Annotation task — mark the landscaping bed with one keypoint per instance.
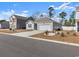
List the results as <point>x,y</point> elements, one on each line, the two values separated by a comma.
<point>10,31</point>
<point>65,36</point>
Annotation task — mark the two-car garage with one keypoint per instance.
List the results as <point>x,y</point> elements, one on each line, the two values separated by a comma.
<point>47,24</point>
<point>44,27</point>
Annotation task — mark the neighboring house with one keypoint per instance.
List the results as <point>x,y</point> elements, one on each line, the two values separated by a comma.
<point>77,19</point>
<point>4,25</point>
<point>18,22</point>
<point>43,24</point>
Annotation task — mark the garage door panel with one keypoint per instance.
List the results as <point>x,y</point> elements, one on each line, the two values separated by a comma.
<point>44,27</point>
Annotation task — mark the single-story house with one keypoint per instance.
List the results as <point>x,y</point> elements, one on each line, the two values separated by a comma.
<point>4,25</point>
<point>18,22</point>
<point>43,23</point>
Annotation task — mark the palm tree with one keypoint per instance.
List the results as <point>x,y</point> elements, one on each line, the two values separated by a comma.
<point>63,15</point>
<point>50,11</point>
<point>72,18</point>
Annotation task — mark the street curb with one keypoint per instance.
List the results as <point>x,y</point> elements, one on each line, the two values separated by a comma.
<point>60,42</point>
<point>5,33</point>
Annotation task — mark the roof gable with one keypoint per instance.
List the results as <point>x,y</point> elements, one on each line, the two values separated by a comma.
<point>20,17</point>
<point>30,18</point>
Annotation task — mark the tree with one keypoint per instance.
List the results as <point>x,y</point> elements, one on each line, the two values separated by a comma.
<point>50,11</point>
<point>72,18</point>
<point>65,23</point>
<point>36,14</point>
<point>63,15</point>
<point>2,21</point>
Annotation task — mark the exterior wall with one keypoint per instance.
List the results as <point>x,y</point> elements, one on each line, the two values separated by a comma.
<point>77,16</point>
<point>45,26</point>
<point>17,23</point>
<point>77,20</point>
<point>28,23</point>
<point>77,27</point>
<point>0,26</point>
<point>70,28</point>
<point>5,25</point>
<point>13,22</point>
<point>21,24</point>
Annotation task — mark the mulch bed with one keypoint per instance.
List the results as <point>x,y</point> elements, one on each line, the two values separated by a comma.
<point>69,37</point>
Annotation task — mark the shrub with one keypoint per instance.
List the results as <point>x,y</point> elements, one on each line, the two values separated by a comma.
<point>62,34</point>
<point>53,31</point>
<point>10,29</point>
<point>68,32</point>
<point>74,34</point>
<point>57,33</point>
<point>46,32</point>
<point>58,29</point>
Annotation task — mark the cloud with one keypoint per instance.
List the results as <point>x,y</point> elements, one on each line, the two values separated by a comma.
<point>62,7</point>
<point>25,11</point>
<point>22,14</point>
<point>8,13</point>
<point>53,6</point>
<point>45,14</point>
<point>66,7</point>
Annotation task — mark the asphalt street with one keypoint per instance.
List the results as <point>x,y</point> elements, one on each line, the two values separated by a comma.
<point>13,46</point>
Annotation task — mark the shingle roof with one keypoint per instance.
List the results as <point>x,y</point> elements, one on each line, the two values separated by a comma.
<point>20,17</point>
<point>43,20</point>
<point>39,20</point>
<point>30,18</point>
<point>5,22</point>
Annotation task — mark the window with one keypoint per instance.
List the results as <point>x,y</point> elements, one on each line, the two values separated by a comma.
<point>29,25</point>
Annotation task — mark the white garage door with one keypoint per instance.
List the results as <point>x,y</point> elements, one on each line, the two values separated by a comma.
<point>45,27</point>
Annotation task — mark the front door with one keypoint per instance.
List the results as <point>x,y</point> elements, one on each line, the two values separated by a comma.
<point>35,26</point>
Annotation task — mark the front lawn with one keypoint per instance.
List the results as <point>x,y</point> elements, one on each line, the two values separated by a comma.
<point>10,31</point>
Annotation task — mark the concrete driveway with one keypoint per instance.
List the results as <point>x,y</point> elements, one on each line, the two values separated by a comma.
<point>27,34</point>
